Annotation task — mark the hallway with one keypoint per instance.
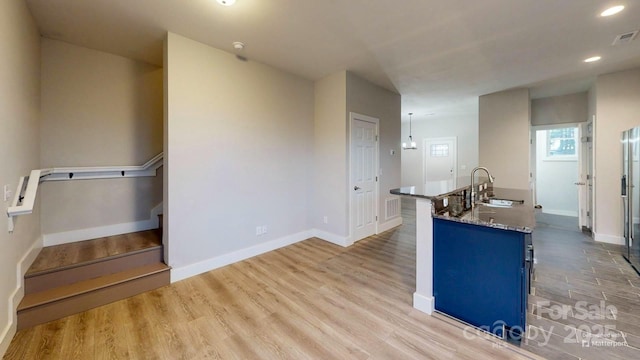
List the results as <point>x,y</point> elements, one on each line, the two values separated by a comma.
<point>585,298</point>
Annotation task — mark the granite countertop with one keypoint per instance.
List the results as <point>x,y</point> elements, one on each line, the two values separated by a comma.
<point>435,189</point>
<point>519,217</point>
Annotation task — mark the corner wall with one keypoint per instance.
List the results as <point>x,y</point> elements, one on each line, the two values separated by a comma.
<point>366,98</point>
<point>20,149</point>
<point>331,173</point>
<point>239,141</point>
<point>504,119</point>
<point>336,96</point>
<point>98,109</point>
<point>617,109</point>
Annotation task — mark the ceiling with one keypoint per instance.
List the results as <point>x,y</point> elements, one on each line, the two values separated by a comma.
<point>439,55</point>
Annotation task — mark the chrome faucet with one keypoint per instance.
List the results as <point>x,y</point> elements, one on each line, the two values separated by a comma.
<point>473,174</point>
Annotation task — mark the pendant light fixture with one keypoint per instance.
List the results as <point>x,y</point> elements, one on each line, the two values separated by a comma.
<point>411,145</point>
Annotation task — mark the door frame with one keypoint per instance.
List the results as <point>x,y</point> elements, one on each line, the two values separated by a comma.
<point>353,117</point>
<point>585,169</point>
<point>425,153</point>
<point>533,129</point>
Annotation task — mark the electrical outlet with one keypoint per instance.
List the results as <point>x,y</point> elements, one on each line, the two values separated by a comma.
<point>258,230</point>
<point>264,229</point>
<point>325,219</point>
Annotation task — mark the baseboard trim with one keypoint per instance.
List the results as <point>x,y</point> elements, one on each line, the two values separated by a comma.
<point>343,241</point>
<point>18,293</point>
<point>386,226</point>
<point>181,273</point>
<point>426,304</point>
<point>609,239</point>
<point>560,212</point>
<point>66,237</point>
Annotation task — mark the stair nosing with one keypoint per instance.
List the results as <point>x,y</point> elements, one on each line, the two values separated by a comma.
<point>89,262</point>
<point>164,268</point>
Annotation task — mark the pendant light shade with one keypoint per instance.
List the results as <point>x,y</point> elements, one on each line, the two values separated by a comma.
<point>410,145</point>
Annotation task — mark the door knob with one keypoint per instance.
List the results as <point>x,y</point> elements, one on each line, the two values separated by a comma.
<point>356,188</point>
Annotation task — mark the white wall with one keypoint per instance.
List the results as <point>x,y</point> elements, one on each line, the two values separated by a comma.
<point>239,154</point>
<point>336,96</point>
<point>504,137</point>
<point>20,149</point>
<point>98,109</point>
<point>330,160</point>
<point>555,188</point>
<point>617,109</point>
<point>368,99</point>
<point>565,109</point>
<point>464,129</point>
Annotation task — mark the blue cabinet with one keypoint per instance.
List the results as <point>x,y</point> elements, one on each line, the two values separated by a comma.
<point>481,275</point>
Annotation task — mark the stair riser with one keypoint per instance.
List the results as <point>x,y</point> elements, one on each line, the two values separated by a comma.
<point>82,302</point>
<point>68,276</point>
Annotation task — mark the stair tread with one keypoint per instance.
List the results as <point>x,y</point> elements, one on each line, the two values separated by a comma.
<point>78,253</point>
<point>81,287</point>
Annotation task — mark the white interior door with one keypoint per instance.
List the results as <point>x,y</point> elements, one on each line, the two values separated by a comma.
<point>440,165</point>
<point>364,176</point>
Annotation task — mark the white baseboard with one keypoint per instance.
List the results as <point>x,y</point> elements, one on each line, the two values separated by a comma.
<point>609,239</point>
<point>426,304</point>
<point>187,271</point>
<point>18,293</point>
<point>560,212</point>
<point>395,222</point>
<point>343,241</point>
<point>66,237</point>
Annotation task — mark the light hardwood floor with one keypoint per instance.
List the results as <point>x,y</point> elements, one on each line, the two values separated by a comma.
<point>59,256</point>
<point>310,300</point>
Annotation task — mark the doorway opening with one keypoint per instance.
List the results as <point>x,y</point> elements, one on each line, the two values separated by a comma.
<point>561,174</point>
<point>440,164</point>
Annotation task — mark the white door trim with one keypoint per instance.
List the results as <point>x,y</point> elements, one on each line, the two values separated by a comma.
<point>352,117</point>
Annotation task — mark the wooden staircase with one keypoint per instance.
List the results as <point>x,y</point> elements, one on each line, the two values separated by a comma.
<point>71,278</point>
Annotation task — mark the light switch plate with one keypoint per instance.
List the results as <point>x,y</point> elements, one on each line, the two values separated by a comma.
<point>7,193</point>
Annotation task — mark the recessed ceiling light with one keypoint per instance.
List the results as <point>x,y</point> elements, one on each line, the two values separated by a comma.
<point>612,10</point>
<point>238,45</point>
<point>592,59</point>
<point>227,2</point>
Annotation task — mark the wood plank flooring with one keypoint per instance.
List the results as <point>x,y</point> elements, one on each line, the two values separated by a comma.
<point>60,256</point>
<point>310,300</point>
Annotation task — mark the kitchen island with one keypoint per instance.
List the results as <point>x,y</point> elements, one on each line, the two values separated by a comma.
<point>473,261</point>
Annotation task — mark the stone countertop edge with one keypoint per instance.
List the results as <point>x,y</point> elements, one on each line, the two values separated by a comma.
<point>519,217</point>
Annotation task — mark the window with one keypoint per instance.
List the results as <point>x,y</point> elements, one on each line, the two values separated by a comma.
<point>562,143</point>
<point>439,150</point>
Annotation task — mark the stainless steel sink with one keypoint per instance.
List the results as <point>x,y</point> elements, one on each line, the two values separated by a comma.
<point>500,203</point>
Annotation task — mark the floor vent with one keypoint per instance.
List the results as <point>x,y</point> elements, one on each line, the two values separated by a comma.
<point>392,208</point>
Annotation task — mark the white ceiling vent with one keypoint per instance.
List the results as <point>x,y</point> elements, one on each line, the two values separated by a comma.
<point>625,38</point>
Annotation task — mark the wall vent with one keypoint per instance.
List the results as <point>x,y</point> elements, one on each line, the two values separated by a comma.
<point>625,38</point>
<point>392,208</point>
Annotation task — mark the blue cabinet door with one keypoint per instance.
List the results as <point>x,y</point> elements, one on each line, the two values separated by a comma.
<point>479,275</point>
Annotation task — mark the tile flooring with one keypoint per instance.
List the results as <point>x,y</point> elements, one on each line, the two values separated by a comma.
<point>585,300</point>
